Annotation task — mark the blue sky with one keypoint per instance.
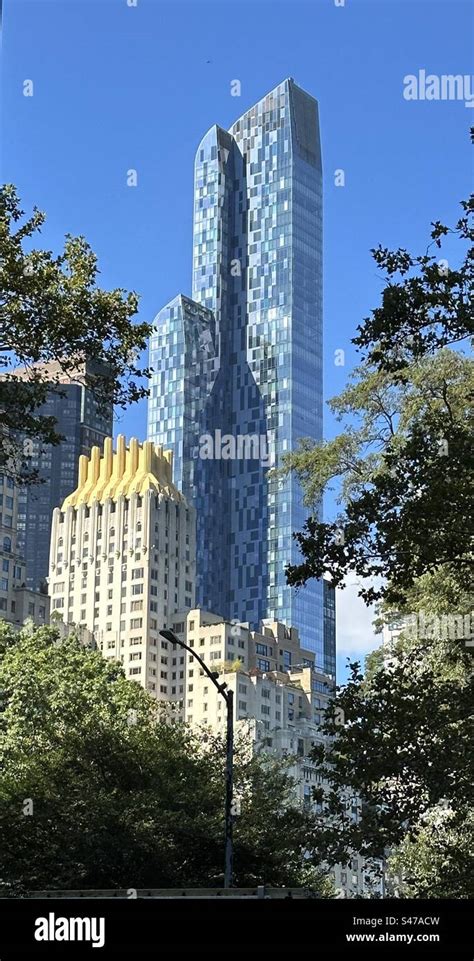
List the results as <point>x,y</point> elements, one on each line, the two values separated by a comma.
<point>118,87</point>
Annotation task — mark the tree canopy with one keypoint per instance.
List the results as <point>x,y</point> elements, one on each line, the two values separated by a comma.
<point>99,790</point>
<point>405,749</point>
<point>51,310</point>
<point>403,461</point>
<point>400,735</point>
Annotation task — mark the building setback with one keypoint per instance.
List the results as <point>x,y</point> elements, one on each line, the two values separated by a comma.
<point>122,558</point>
<point>254,332</point>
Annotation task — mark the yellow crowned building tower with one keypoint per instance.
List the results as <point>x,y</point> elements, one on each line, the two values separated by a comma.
<point>123,560</point>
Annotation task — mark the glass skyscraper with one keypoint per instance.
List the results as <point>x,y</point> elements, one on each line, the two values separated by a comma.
<point>241,363</point>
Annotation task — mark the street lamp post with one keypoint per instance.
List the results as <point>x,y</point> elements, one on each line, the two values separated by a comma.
<point>228,696</point>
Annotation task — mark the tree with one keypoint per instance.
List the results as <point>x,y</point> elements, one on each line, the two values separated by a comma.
<point>404,748</point>
<point>404,460</point>
<point>51,310</point>
<point>99,790</point>
<point>437,862</point>
<point>400,735</point>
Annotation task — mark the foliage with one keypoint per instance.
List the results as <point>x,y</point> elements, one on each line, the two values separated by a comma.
<point>437,861</point>
<point>403,746</point>
<point>399,737</point>
<point>99,790</point>
<point>404,459</point>
<point>51,309</point>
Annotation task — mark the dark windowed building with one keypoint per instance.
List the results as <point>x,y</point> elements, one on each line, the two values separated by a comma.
<point>82,426</point>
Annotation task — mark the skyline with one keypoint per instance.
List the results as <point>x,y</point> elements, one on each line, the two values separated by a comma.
<point>81,181</point>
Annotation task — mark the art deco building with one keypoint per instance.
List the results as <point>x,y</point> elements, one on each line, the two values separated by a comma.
<point>254,332</point>
<point>122,559</point>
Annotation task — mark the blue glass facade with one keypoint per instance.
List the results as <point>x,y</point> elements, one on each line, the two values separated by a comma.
<point>257,270</point>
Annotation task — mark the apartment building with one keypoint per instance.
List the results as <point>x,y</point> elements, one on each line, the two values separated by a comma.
<point>279,702</point>
<point>122,559</point>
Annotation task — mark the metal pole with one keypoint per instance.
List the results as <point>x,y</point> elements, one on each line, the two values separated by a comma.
<point>228,696</point>
<point>229,783</point>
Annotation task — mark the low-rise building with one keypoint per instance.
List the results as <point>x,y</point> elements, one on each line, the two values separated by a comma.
<point>279,701</point>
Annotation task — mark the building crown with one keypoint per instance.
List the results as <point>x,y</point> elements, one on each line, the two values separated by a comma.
<point>133,470</point>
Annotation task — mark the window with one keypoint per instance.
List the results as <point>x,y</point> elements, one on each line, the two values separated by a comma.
<point>242,705</point>
<point>263,665</point>
<point>242,688</point>
<point>261,649</point>
<point>136,622</point>
<point>266,709</point>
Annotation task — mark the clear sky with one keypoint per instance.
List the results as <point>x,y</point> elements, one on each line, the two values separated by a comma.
<point>117,87</point>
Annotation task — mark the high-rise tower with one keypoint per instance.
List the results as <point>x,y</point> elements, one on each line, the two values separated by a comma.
<point>122,560</point>
<point>82,424</point>
<point>257,272</point>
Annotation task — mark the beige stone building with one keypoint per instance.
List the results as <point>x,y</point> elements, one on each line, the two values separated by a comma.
<point>122,559</point>
<point>274,679</point>
<point>279,701</point>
